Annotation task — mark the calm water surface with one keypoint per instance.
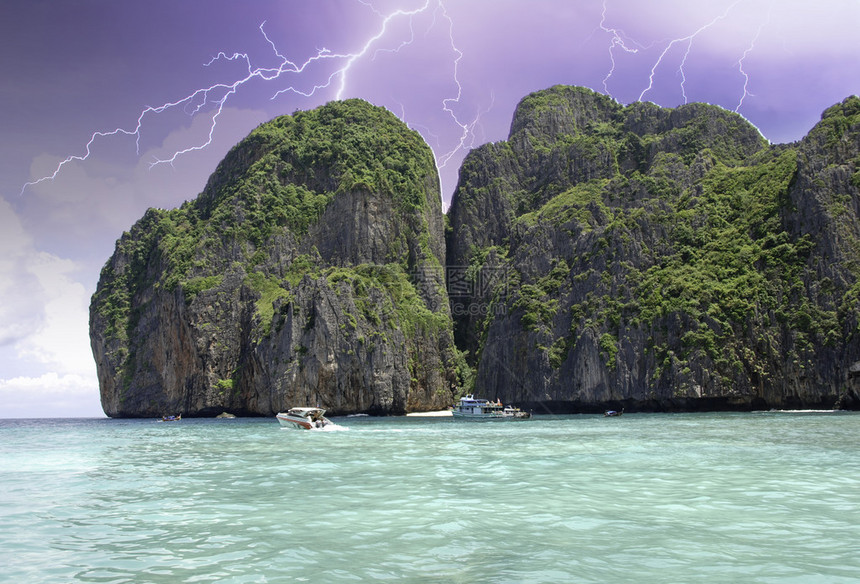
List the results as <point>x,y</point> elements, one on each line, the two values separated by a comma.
<point>761,497</point>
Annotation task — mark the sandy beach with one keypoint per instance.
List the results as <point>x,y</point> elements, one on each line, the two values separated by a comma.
<point>437,414</point>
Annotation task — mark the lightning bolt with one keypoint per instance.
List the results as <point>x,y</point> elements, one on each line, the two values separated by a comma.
<point>448,102</point>
<point>746,76</point>
<point>689,41</point>
<point>216,96</point>
<point>467,129</point>
<point>620,40</point>
<point>617,41</point>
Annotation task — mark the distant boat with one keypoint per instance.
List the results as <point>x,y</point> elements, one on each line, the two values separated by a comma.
<point>171,418</point>
<point>470,408</point>
<point>304,418</point>
<point>613,413</point>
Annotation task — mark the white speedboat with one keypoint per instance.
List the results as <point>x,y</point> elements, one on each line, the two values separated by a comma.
<point>470,408</point>
<point>304,418</point>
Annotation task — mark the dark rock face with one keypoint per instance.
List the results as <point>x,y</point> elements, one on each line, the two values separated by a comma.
<point>603,256</point>
<point>308,272</point>
<point>659,259</point>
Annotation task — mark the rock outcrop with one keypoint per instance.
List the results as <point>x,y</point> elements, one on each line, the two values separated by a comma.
<point>309,271</point>
<point>658,259</point>
<point>604,256</point>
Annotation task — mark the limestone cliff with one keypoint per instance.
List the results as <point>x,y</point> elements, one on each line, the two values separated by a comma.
<point>658,259</point>
<point>307,272</point>
<point>602,256</point>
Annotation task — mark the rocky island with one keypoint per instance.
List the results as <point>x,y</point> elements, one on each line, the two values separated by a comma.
<point>603,256</point>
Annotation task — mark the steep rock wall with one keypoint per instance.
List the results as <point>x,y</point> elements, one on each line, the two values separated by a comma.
<point>659,259</point>
<point>602,256</point>
<point>307,272</point>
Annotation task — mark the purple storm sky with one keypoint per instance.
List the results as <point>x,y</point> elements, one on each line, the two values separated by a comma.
<point>452,69</point>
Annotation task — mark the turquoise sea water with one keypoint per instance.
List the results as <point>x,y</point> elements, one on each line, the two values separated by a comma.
<point>760,497</point>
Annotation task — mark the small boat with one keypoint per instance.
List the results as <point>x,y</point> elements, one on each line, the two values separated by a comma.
<point>171,418</point>
<point>470,408</point>
<point>612,413</point>
<point>304,418</point>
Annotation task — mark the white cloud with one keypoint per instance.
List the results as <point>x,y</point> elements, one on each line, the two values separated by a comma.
<point>52,244</point>
<point>18,289</point>
<point>49,395</point>
<point>62,340</point>
<point>44,346</point>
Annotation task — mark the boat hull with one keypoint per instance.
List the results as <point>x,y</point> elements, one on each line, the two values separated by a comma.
<point>470,408</point>
<point>298,424</point>
<point>303,419</point>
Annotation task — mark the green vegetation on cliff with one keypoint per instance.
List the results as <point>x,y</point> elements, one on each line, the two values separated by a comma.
<point>280,178</point>
<point>606,255</point>
<point>266,259</point>
<point>286,171</point>
<point>676,246</point>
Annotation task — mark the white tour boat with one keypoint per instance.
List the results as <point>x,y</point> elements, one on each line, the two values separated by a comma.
<point>304,418</point>
<point>470,408</point>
